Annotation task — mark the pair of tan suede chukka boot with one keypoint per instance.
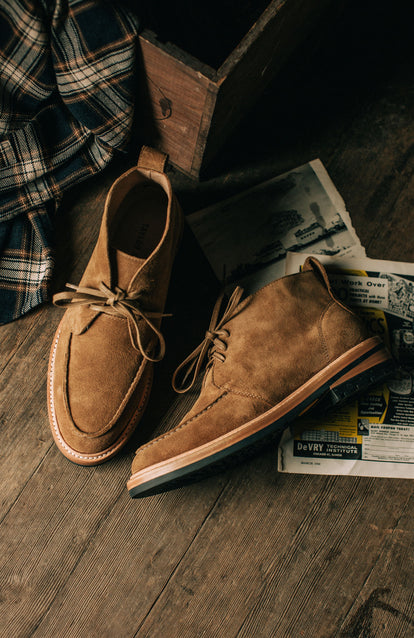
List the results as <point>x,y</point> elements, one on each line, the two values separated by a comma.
<point>268,357</point>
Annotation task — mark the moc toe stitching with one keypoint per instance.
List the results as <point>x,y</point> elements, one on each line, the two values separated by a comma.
<point>249,395</point>
<point>239,390</point>
<point>193,418</point>
<point>180,426</point>
<point>75,427</point>
<point>155,452</point>
<point>115,445</point>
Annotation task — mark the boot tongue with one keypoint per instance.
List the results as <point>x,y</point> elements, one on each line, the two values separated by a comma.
<point>126,267</point>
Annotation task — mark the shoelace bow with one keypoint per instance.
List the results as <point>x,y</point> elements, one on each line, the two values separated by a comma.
<point>213,345</point>
<point>118,303</point>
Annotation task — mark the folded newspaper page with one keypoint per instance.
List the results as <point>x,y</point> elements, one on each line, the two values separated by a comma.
<point>246,237</point>
<point>373,435</point>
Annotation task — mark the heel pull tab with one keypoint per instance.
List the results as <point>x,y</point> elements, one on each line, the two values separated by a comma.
<point>314,264</point>
<point>152,160</point>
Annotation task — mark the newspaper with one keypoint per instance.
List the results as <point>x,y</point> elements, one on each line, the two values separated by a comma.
<point>246,237</point>
<point>373,435</point>
<point>255,237</point>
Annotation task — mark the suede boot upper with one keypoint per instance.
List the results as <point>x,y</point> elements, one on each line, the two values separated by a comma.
<point>268,345</point>
<point>101,359</point>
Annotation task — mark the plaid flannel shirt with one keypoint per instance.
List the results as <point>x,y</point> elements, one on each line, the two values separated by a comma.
<point>66,104</point>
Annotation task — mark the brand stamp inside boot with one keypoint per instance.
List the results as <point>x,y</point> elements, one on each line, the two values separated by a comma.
<point>141,221</point>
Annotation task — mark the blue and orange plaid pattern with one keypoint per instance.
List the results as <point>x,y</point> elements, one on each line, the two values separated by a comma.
<point>66,105</point>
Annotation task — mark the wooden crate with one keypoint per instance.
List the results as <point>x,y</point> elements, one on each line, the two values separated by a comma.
<point>195,106</point>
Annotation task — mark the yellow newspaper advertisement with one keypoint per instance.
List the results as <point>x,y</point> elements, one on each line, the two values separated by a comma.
<point>374,434</point>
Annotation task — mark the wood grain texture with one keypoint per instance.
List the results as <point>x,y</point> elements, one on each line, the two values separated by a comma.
<point>247,552</point>
<point>288,571</point>
<point>182,100</point>
<point>195,107</point>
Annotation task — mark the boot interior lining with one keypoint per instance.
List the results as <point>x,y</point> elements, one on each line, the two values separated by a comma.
<point>142,217</point>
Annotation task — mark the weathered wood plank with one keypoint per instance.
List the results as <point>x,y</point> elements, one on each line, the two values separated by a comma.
<point>87,560</point>
<point>384,606</point>
<point>50,525</point>
<point>393,237</point>
<point>372,168</point>
<point>291,558</point>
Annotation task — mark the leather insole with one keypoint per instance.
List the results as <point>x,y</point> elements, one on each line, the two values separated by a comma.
<point>142,217</point>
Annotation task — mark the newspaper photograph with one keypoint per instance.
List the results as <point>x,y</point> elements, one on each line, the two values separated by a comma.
<point>246,237</point>
<point>374,434</point>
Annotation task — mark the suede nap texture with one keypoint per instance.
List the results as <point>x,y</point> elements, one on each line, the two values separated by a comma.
<point>279,338</point>
<point>99,378</point>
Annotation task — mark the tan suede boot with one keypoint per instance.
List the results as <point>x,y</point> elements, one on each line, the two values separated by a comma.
<point>271,357</point>
<point>100,368</point>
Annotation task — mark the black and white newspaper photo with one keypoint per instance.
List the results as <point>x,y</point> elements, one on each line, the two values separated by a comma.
<point>246,237</point>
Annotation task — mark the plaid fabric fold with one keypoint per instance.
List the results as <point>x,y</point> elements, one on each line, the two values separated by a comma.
<point>66,106</point>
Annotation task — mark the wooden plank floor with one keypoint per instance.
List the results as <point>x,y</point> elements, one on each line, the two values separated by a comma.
<point>248,553</point>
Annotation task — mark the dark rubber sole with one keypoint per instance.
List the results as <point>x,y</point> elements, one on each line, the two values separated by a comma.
<point>367,370</point>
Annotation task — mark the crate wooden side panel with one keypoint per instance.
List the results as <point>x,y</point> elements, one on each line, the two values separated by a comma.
<point>260,55</point>
<point>183,97</point>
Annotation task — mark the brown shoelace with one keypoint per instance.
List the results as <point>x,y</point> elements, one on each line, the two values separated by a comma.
<point>213,345</point>
<point>118,303</point>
